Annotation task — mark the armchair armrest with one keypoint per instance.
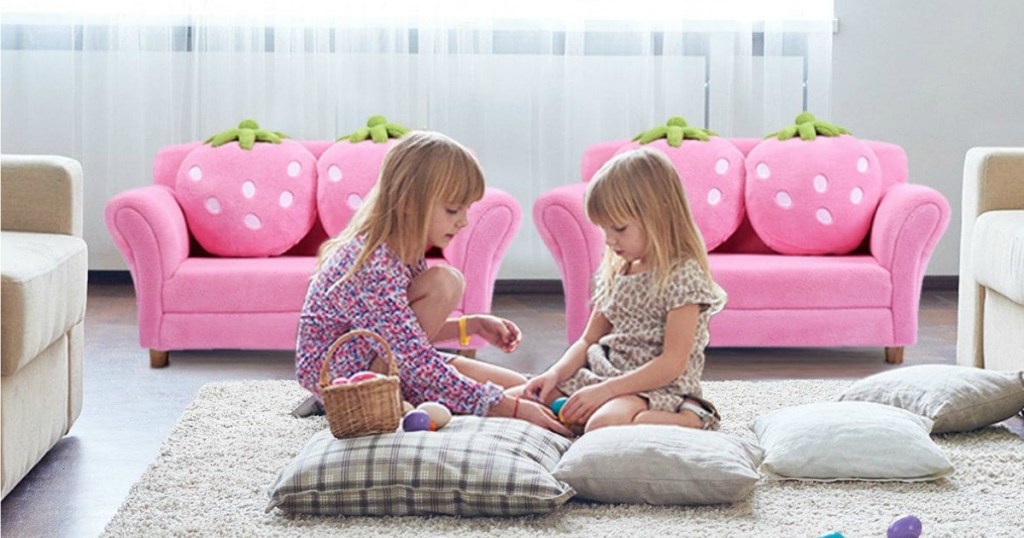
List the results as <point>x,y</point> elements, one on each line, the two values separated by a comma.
<point>42,193</point>
<point>149,229</point>
<point>576,245</point>
<point>908,223</point>
<point>478,251</point>
<point>993,180</point>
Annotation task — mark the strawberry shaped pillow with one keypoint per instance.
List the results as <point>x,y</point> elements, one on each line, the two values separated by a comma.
<point>711,169</point>
<point>812,194</point>
<point>348,170</point>
<point>248,193</point>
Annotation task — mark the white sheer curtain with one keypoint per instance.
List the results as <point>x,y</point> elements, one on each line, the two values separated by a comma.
<point>528,87</point>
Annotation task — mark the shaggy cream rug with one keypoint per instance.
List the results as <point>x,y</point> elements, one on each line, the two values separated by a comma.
<point>212,474</point>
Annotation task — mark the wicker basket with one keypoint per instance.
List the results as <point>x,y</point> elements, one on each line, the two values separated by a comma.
<point>367,407</point>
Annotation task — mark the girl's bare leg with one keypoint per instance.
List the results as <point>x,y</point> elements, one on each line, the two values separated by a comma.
<point>483,372</point>
<point>433,295</point>
<point>684,418</point>
<point>617,412</point>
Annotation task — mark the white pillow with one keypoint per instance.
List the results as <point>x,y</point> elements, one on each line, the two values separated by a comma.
<point>849,441</point>
<point>660,465</point>
<point>957,398</point>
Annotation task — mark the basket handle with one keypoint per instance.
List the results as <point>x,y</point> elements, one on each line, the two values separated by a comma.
<point>329,356</point>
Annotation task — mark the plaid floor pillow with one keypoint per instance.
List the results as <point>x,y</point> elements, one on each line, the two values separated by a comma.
<point>472,467</point>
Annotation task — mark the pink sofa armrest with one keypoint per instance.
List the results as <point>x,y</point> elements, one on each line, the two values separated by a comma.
<point>576,245</point>
<point>478,250</point>
<point>908,223</point>
<point>149,229</point>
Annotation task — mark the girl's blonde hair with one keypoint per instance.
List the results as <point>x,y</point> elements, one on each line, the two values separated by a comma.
<point>423,169</point>
<point>643,185</point>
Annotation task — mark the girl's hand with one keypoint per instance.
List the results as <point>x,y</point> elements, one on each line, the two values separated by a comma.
<point>540,415</point>
<point>538,388</point>
<point>584,402</point>
<point>498,332</point>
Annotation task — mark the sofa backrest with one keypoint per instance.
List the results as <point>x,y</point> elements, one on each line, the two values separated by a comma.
<point>891,157</point>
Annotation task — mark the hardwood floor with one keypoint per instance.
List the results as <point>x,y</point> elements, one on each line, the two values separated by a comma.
<point>130,408</point>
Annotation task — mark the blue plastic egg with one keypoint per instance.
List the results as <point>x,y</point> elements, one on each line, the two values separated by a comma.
<point>904,527</point>
<point>556,406</point>
<point>416,420</point>
<point>835,534</point>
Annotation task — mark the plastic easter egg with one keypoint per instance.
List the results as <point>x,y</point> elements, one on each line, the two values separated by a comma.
<point>340,381</point>
<point>438,413</point>
<point>362,376</point>
<point>416,420</point>
<point>835,534</point>
<point>904,527</point>
<point>556,406</point>
<point>406,407</point>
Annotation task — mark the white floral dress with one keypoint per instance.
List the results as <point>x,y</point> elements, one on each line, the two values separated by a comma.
<point>637,313</point>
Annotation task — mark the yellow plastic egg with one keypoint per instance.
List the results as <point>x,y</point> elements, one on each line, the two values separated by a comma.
<point>406,407</point>
<point>439,414</point>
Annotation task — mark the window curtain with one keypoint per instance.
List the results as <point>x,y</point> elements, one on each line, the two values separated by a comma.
<point>527,87</point>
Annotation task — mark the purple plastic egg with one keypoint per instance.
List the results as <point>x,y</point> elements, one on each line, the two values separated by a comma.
<point>416,420</point>
<point>904,527</point>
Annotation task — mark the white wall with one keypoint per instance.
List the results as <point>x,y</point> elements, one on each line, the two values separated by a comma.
<point>936,77</point>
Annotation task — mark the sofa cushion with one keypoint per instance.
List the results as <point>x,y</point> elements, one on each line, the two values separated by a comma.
<point>248,203</point>
<point>998,250</point>
<point>812,197</point>
<point>712,173</point>
<point>773,282</point>
<point>43,292</point>
<point>225,285</point>
<point>345,174</point>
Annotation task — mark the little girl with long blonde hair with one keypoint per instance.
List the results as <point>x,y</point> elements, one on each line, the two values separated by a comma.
<point>373,275</point>
<point>641,356</point>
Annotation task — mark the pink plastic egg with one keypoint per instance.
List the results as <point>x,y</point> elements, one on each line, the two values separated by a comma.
<point>340,381</point>
<point>416,421</point>
<point>362,376</point>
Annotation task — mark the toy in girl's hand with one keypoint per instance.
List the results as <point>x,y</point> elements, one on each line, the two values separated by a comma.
<point>440,416</point>
<point>557,405</point>
<point>416,420</point>
<point>904,527</point>
<point>363,376</point>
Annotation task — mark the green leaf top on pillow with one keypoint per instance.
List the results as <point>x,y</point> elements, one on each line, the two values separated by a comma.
<point>808,127</point>
<point>247,133</point>
<point>675,131</point>
<point>377,129</point>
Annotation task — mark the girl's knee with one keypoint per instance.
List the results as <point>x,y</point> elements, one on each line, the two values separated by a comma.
<point>442,281</point>
<point>603,420</point>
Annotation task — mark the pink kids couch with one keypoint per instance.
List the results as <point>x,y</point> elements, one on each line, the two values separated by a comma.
<point>222,246</point>
<point>815,247</point>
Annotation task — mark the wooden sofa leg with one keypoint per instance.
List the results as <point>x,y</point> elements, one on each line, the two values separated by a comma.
<point>894,355</point>
<point>158,359</point>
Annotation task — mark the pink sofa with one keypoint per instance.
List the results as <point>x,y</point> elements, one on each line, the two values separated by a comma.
<point>189,299</point>
<point>866,298</point>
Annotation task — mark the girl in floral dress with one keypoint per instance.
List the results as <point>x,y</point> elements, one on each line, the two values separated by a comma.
<point>641,356</point>
<point>373,275</point>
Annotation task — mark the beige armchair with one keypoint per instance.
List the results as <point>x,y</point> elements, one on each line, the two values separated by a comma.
<point>45,266</point>
<point>991,303</point>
